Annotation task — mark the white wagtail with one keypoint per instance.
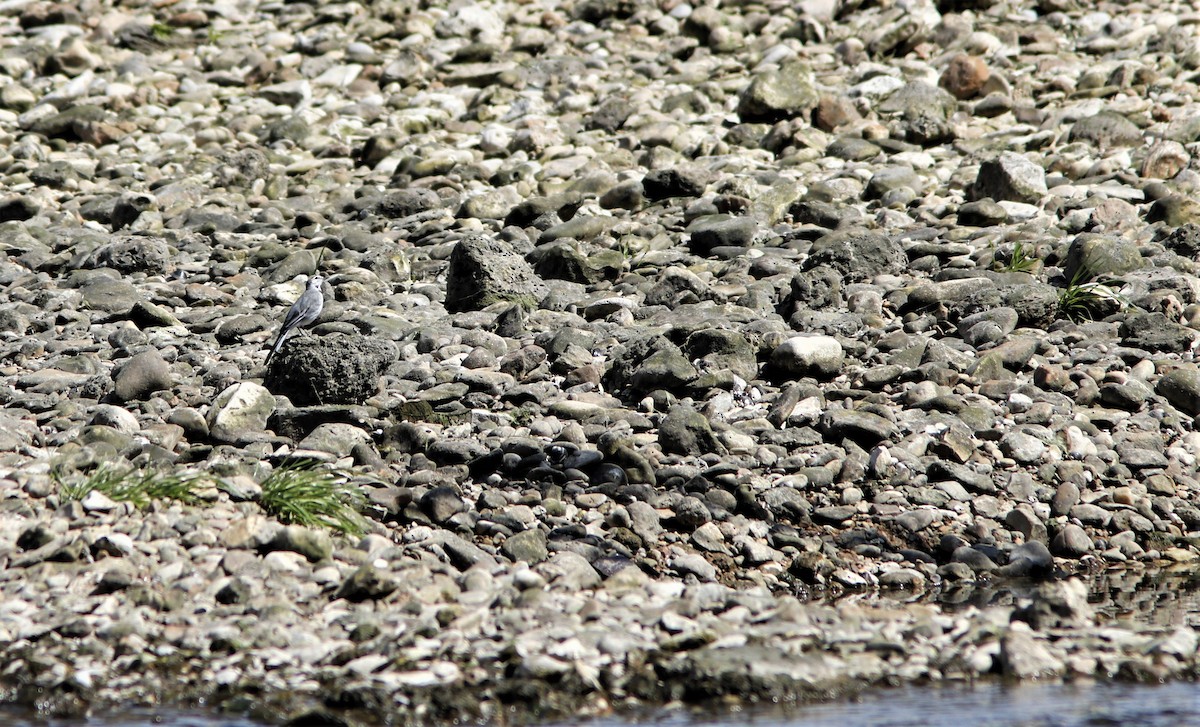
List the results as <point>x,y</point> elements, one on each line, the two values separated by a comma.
<point>302,313</point>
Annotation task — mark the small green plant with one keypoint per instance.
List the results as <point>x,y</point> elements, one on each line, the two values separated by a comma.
<point>1022,260</point>
<point>1086,299</point>
<point>162,31</point>
<point>139,487</point>
<point>301,494</point>
<point>523,416</point>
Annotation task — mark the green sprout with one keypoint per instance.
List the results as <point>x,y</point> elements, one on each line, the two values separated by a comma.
<point>138,487</point>
<point>301,494</point>
<point>1086,299</point>
<point>1022,260</point>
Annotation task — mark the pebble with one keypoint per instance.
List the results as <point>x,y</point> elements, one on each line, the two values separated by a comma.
<point>648,331</point>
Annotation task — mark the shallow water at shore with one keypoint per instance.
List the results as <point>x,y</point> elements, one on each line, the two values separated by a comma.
<point>983,705</point>
<point>1162,598</point>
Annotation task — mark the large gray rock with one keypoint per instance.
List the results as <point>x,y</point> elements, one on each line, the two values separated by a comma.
<point>686,431</point>
<point>857,254</point>
<point>925,112</point>
<point>311,543</point>
<point>779,94</point>
<point>1099,257</point>
<point>330,369</point>
<point>240,412</point>
<point>1156,332</point>
<point>528,546</point>
<point>133,254</point>
<point>820,356</point>
<point>110,295</point>
<point>142,375</point>
<point>861,426</point>
<point>366,583</point>
<point>650,362</point>
<point>722,231</point>
<point>719,349</point>
<point>1107,129</point>
<point>1181,387</point>
<point>484,270</point>
<point>1010,176</point>
<point>1036,304</point>
<point>678,180</point>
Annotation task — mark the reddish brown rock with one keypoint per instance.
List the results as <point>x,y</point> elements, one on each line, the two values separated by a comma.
<point>834,111</point>
<point>965,76</point>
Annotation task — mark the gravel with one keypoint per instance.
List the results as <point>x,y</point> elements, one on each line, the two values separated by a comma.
<point>650,330</point>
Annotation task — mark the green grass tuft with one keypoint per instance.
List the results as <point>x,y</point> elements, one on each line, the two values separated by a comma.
<point>139,487</point>
<point>162,31</point>
<point>1085,299</point>
<point>301,494</point>
<point>1021,260</point>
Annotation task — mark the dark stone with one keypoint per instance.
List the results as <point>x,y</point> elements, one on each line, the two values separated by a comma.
<point>366,583</point>
<point>442,503</point>
<point>335,369</point>
<point>564,261</point>
<point>685,180</point>
<point>649,362</point>
<point>18,208</point>
<point>1174,210</point>
<point>861,426</point>
<point>126,209</point>
<point>852,149</point>
<point>982,213</point>
<point>1107,129</point>
<point>628,195</point>
<point>721,231</point>
<point>1184,240</point>
<point>236,591</point>
<point>53,174</point>
<point>611,114</point>
<point>529,546</point>
<point>141,376</point>
<point>484,270</point>
<point>34,537</point>
<point>133,254</point>
<point>1155,332</point>
<point>858,255</point>
<point>817,289</point>
<point>406,202</point>
<point>686,431</point>
<point>824,214</point>
<point>67,124</point>
<point>1181,387</point>
<point>1030,560</point>
<point>974,559</point>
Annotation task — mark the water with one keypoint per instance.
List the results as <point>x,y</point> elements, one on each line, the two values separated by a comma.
<point>1099,704</point>
<point>1158,598</point>
<point>13,717</point>
<point>989,705</point>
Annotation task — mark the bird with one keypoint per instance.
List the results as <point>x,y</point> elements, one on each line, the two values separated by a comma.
<point>302,313</point>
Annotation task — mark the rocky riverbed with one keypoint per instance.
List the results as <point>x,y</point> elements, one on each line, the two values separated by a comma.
<point>650,328</point>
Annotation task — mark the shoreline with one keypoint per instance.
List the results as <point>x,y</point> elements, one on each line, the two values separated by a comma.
<point>643,323</point>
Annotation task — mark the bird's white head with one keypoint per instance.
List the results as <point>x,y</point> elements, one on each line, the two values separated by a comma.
<point>315,281</point>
